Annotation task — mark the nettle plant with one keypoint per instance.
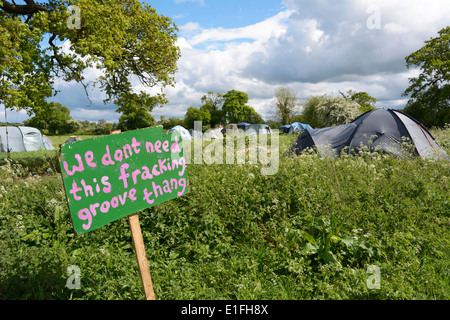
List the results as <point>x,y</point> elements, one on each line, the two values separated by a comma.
<point>328,244</point>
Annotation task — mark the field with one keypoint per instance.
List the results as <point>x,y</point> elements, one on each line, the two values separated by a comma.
<point>317,229</point>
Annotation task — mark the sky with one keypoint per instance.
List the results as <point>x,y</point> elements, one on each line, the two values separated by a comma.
<point>314,47</point>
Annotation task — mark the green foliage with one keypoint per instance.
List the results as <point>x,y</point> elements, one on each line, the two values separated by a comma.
<point>212,102</point>
<point>365,101</point>
<point>135,118</point>
<point>308,232</point>
<point>236,110</point>
<point>124,39</point>
<point>194,114</point>
<point>430,91</point>
<point>170,123</point>
<point>53,118</point>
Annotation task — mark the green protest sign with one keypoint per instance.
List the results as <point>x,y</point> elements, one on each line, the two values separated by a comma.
<point>114,176</point>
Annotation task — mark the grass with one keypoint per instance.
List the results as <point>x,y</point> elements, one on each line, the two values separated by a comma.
<point>308,232</point>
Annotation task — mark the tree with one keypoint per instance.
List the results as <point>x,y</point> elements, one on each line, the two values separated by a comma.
<point>124,39</point>
<point>323,111</point>
<point>53,117</point>
<point>365,101</point>
<point>250,115</point>
<point>136,118</point>
<point>170,123</point>
<point>235,109</point>
<point>194,114</point>
<point>212,102</point>
<point>430,91</point>
<point>285,100</point>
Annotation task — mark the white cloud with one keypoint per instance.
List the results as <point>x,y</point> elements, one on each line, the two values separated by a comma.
<point>315,47</point>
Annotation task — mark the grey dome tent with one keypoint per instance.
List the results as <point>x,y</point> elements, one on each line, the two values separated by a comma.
<point>20,139</point>
<point>377,129</point>
<point>255,129</point>
<point>72,139</point>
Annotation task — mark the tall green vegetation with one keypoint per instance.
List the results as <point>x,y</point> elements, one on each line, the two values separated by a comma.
<point>241,235</point>
<point>430,91</point>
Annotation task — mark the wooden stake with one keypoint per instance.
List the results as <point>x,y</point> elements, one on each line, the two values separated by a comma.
<point>141,256</point>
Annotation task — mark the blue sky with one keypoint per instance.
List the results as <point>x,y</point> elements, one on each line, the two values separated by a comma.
<point>217,13</point>
<point>315,47</point>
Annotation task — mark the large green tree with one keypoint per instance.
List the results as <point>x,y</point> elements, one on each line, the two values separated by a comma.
<point>194,114</point>
<point>236,110</point>
<point>430,91</point>
<point>53,117</point>
<point>126,40</point>
<point>212,102</point>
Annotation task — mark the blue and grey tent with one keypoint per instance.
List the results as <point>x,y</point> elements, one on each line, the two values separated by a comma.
<point>294,127</point>
<point>375,130</point>
<point>299,127</point>
<point>285,129</point>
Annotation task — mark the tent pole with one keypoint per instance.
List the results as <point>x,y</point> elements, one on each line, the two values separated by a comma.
<point>8,153</point>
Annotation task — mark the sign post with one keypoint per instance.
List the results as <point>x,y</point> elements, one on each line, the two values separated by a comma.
<point>141,256</point>
<point>112,177</point>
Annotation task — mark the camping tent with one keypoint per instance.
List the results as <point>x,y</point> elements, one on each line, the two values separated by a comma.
<point>258,129</point>
<point>196,134</point>
<point>231,128</point>
<point>286,128</point>
<point>185,135</point>
<point>377,129</point>
<point>299,127</point>
<point>72,139</point>
<point>48,144</point>
<point>294,127</point>
<point>215,133</point>
<point>18,139</point>
<point>243,125</point>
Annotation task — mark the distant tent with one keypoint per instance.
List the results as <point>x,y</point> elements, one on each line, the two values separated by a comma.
<point>19,139</point>
<point>299,127</point>
<point>213,134</point>
<point>185,135</point>
<point>258,129</point>
<point>231,128</point>
<point>243,125</point>
<point>72,139</point>
<point>294,127</point>
<point>196,134</point>
<point>285,129</point>
<point>377,129</point>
